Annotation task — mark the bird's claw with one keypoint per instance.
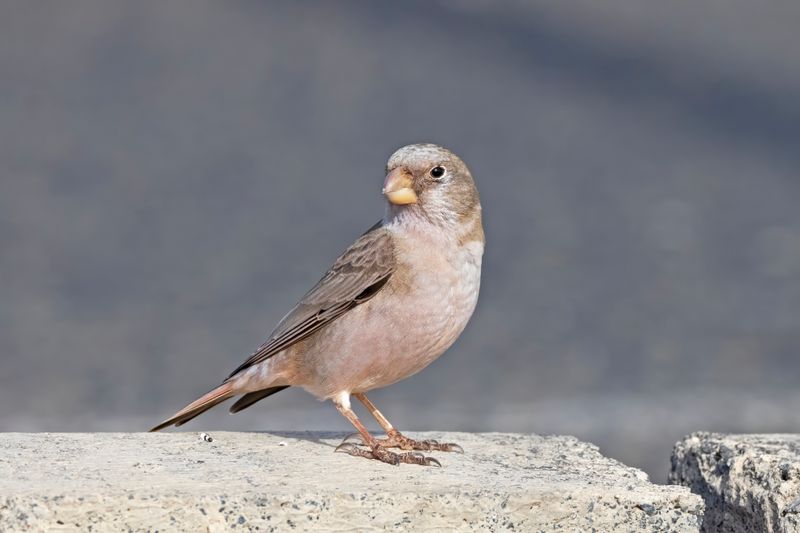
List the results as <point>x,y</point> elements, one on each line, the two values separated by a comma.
<point>383,455</point>
<point>416,458</point>
<point>419,459</point>
<point>345,447</point>
<point>430,461</point>
<point>452,447</point>
<point>354,437</point>
<point>435,445</point>
<point>398,440</point>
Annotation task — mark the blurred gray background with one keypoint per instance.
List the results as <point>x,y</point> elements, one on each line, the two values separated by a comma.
<point>173,176</point>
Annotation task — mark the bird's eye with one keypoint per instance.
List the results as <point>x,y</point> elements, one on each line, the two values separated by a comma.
<point>437,172</point>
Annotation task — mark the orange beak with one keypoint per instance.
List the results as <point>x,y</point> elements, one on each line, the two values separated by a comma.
<point>398,187</point>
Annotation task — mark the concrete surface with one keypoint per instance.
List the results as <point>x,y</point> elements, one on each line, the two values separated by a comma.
<point>750,483</point>
<point>260,481</point>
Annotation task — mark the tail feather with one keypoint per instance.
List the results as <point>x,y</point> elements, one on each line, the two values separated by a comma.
<point>199,406</point>
<point>252,397</point>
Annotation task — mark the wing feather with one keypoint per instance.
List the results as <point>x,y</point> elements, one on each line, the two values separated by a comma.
<point>355,277</point>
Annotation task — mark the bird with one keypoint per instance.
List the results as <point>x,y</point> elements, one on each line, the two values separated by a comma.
<point>390,304</point>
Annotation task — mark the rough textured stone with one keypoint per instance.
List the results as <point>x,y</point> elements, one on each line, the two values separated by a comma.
<point>260,481</point>
<point>750,483</point>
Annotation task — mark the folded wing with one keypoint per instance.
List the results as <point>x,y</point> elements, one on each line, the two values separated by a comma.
<point>355,277</point>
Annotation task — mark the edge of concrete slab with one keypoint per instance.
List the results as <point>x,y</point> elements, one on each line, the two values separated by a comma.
<point>272,481</point>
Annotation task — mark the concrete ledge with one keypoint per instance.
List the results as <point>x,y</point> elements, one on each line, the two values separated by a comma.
<point>260,481</point>
<point>750,483</point>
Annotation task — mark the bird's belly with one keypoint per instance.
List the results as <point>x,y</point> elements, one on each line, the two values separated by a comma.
<point>397,333</point>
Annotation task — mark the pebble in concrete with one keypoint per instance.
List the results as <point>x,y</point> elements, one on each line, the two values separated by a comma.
<point>280,482</point>
<point>750,483</point>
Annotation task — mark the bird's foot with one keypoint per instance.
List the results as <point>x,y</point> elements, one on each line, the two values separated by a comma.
<point>395,439</point>
<point>380,453</point>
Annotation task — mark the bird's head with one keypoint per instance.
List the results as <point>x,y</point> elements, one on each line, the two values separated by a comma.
<point>429,182</point>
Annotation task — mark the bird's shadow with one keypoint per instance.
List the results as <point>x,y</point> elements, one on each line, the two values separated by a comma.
<point>316,437</point>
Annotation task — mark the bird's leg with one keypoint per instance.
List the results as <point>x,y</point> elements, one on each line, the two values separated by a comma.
<point>375,451</point>
<point>395,439</point>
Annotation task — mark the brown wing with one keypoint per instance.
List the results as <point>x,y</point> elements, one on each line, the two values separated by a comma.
<point>359,273</point>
